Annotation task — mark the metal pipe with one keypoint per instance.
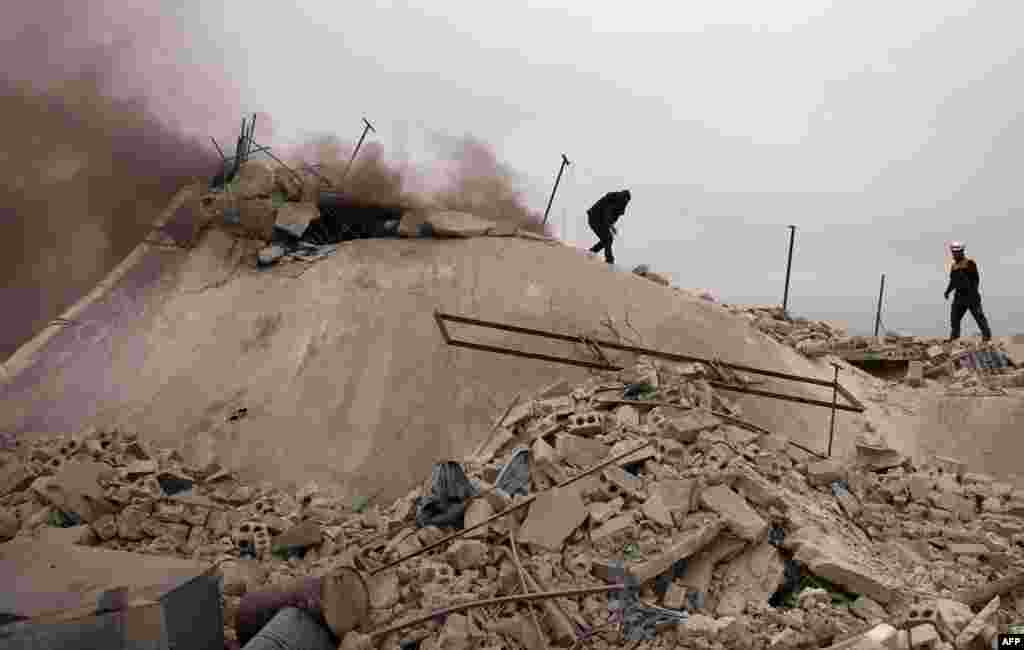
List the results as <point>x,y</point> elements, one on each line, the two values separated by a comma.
<point>252,133</point>
<point>789,266</point>
<point>878,313</point>
<point>561,168</point>
<point>835,393</point>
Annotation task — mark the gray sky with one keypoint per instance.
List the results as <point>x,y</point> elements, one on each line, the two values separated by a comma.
<point>882,130</point>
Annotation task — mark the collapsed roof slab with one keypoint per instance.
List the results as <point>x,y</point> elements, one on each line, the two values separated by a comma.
<point>342,369</point>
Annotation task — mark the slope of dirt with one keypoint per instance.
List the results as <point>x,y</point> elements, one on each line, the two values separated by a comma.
<point>342,370</point>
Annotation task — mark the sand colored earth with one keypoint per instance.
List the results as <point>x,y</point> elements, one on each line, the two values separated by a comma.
<point>340,366</point>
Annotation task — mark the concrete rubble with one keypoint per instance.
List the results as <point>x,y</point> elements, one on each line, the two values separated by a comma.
<point>798,552</point>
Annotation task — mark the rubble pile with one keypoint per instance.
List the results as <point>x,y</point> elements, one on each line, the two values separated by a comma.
<point>812,338</point>
<point>297,218</point>
<point>690,528</point>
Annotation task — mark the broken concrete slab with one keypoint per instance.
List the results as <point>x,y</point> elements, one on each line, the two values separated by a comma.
<point>552,517</point>
<point>831,559</point>
<point>613,527</point>
<point>952,617</point>
<point>680,548</point>
<point>656,510</point>
<point>826,472</point>
<point>294,218</point>
<point>601,512</point>
<point>450,223</point>
<point>305,535</point>
<point>478,510</point>
<point>700,567</point>
<point>754,575</point>
<point>676,494</point>
<point>76,489</point>
<point>735,511</point>
<point>580,451</point>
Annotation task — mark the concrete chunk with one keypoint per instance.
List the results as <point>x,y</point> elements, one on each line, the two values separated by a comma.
<point>451,223</point>
<point>752,576</point>
<point>654,508</point>
<point>825,472</point>
<point>613,527</point>
<point>737,514</point>
<point>690,543</point>
<point>579,451</point>
<point>676,494</point>
<point>622,481</point>
<point>553,516</point>
<point>832,560</point>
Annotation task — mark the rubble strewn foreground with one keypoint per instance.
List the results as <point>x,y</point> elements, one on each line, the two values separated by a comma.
<point>713,534</point>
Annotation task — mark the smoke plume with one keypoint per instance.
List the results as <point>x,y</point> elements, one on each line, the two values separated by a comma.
<point>106,108</point>
<point>92,147</point>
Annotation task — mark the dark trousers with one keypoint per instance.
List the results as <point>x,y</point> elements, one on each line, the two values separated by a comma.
<point>603,231</point>
<point>960,307</point>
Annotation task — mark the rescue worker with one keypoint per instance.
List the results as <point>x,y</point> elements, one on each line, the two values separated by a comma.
<point>602,217</point>
<point>964,281</point>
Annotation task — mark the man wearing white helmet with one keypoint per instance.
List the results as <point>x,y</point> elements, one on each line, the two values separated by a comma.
<point>964,282</point>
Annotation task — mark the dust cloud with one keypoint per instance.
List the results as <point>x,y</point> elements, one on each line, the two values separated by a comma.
<point>472,179</point>
<point>107,108</point>
<point>92,148</point>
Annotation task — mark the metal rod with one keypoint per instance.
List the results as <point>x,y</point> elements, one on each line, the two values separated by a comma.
<point>519,506</point>
<point>519,598</point>
<point>627,348</point>
<point>878,313</point>
<point>219,150</point>
<point>789,266</point>
<point>561,168</point>
<point>789,398</point>
<point>835,393</point>
<point>355,152</point>
<point>294,173</point>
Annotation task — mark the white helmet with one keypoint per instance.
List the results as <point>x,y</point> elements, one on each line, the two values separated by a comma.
<point>956,247</point>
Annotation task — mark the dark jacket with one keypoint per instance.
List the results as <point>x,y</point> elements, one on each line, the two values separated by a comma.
<point>964,280</point>
<point>609,207</point>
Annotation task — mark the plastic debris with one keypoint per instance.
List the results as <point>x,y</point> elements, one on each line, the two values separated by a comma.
<point>445,507</point>
<point>514,477</point>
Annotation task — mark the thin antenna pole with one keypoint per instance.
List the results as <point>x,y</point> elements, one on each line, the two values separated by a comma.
<point>878,313</point>
<point>789,266</point>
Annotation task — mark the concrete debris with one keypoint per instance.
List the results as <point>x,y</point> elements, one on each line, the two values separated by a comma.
<point>709,520</point>
<point>458,224</point>
<point>741,519</point>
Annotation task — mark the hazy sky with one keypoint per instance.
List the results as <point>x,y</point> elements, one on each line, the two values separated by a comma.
<point>882,130</point>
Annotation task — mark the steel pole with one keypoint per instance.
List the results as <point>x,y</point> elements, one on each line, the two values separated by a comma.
<point>832,425</point>
<point>561,168</point>
<point>878,312</point>
<point>366,129</point>
<point>789,266</point>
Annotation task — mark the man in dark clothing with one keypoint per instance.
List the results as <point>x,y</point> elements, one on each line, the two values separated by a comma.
<point>964,280</point>
<point>602,217</point>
